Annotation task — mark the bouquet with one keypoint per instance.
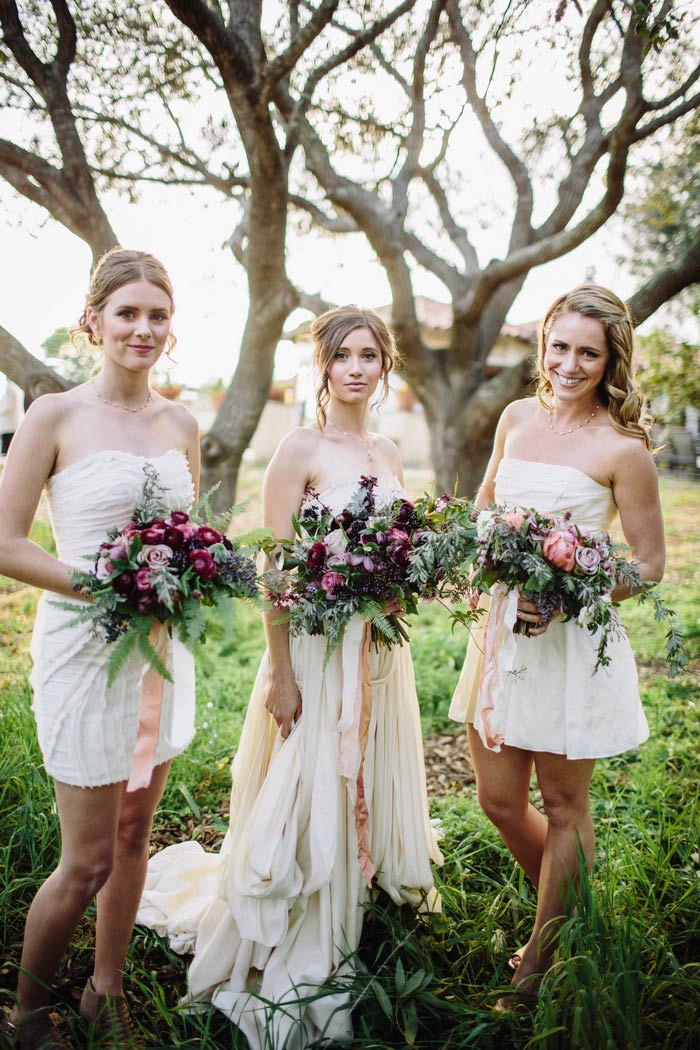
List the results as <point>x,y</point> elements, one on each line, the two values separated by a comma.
<point>563,567</point>
<point>360,560</point>
<point>161,567</point>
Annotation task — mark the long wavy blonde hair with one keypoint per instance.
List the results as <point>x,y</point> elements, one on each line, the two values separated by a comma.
<point>618,390</point>
<point>329,331</point>
<point>114,269</point>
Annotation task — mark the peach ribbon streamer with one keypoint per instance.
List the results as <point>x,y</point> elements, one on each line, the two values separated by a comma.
<point>498,630</point>
<point>143,758</point>
<point>354,726</point>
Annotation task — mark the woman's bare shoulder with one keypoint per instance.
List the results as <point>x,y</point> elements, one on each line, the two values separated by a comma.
<point>301,440</point>
<point>179,416</point>
<point>52,409</point>
<point>628,454</point>
<point>522,409</point>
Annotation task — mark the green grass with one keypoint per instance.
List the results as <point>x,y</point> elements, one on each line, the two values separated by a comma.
<point>628,971</point>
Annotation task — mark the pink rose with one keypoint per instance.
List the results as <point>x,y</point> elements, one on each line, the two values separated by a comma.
<point>143,580</point>
<point>207,535</point>
<point>397,535</point>
<point>116,552</point>
<point>336,543</point>
<point>104,568</point>
<point>559,548</point>
<point>158,554</point>
<point>203,563</point>
<point>588,560</point>
<point>514,519</point>
<point>331,580</point>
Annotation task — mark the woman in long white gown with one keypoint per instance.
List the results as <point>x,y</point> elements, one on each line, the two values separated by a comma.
<point>89,447</point>
<point>581,446</point>
<point>328,800</point>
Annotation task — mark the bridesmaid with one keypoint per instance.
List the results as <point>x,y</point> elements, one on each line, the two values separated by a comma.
<point>329,794</point>
<point>88,447</point>
<point>581,445</point>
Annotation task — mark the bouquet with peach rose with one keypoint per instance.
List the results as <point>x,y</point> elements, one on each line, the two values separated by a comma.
<point>161,567</point>
<point>563,568</point>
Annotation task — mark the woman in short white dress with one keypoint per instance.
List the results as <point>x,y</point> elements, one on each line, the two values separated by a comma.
<point>88,448</point>
<point>581,445</point>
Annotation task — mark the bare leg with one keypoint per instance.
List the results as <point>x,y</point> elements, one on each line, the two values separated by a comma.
<point>118,900</point>
<point>503,787</point>
<point>88,818</point>
<point>564,784</point>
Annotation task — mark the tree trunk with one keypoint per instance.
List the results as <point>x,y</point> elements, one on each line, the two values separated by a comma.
<point>238,417</point>
<point>28,372</point>
<point>462,428</point>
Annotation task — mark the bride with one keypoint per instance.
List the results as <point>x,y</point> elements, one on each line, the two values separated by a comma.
<point>282,911</point>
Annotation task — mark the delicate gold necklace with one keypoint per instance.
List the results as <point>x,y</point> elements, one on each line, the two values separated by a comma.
<point>563,433</point>
<point>364,445</point>
<point>113,404</point>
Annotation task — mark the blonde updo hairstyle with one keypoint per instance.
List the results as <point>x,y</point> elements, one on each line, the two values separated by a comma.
<point>330,330</point>
<point>618,390</point>
<point>114,269</point>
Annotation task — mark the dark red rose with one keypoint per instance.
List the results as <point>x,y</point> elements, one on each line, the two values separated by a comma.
<point>203,563</point>
<point>173,537</point>
<point>153,534</point>
<point>179,517</point>
<point>206,535</point>
<point>125,584</point>
<point>400,553</point>
<point>316,556</point>
<point>143,580</point>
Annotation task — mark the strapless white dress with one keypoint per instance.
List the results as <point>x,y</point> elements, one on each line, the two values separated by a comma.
<point>87,729</point>
<point>279,910</point>
<point>548,697</point>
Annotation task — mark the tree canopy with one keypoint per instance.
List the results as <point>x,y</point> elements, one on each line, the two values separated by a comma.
<point>372,119</point>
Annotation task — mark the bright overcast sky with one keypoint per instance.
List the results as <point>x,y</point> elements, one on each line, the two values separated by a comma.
<point>46,268</point>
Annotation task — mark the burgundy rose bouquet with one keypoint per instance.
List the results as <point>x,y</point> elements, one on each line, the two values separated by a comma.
<point>357,562</point>
<point>161,567</point>
<point>562,567</point>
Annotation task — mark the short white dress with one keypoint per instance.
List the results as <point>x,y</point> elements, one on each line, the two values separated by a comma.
<point>548,698</point>
<point>87,730</point>
<point>279,910</point>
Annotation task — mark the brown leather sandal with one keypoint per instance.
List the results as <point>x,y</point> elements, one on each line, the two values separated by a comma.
<point>109,1019</point>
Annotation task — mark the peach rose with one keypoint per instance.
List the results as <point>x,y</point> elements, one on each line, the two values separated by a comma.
<point>514,519</point>
<point>559,549</point>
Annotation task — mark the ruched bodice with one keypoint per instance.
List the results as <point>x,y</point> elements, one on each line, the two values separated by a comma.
<point>100,492</point>
<point>337,496</point>
<point>87,729</point>
<point>553,488</point>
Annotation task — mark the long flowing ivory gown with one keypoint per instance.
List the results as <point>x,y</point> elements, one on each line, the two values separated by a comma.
<point>280,909</point>
<point>541,693</point>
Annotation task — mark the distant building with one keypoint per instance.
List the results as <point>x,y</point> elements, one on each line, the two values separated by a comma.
<point>435,321</point>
